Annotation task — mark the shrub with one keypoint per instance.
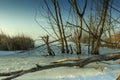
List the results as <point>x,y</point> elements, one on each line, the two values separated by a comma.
<point>3,41</point>
<point>114,41</point>
<point>85,38</point>
<point>22,42</point>
<point>19,42</point>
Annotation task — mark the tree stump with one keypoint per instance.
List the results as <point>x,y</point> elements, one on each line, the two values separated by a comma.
<point>46,40</point>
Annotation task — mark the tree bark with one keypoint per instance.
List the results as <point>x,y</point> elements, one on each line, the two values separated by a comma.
<point>59,27</point>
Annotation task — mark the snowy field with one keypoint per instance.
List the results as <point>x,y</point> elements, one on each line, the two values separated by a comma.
<point>12,60</point>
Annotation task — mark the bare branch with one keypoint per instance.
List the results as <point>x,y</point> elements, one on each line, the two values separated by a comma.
<point>84,8</point>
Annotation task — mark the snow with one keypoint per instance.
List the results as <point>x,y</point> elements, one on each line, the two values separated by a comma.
<point>12,60</point>
<point>3,53</point>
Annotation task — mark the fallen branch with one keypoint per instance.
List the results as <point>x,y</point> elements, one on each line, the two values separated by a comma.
<point>65,60</point>
<point>118,77</point>
<point>81,63</point>
<point>10,73</point>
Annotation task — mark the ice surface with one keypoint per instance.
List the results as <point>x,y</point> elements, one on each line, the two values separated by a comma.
<point>12,60</point>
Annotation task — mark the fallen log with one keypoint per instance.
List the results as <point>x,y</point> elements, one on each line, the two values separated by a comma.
<point>73,60</point>
<point>81,63</point>
<point>10,73</point>
<point>65,60</point>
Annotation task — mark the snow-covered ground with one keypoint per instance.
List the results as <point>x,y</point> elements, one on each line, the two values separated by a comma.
<point>12,60</point>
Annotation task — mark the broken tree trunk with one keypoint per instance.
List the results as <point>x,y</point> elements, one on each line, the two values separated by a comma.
<point>81,63</point>
<point>46,40</point>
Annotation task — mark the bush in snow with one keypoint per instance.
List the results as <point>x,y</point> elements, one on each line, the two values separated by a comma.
<point>19,42</point>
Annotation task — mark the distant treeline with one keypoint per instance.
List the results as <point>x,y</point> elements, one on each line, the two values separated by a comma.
<point>19,42</point>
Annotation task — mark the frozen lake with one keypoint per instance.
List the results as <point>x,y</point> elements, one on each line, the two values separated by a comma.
<point>11,61</point>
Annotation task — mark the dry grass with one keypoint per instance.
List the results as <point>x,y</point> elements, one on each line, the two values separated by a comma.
<point>115,39</point>
<point>19,42</point>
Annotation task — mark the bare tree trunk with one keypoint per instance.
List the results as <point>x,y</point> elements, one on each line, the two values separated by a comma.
<point>62,28</point>
<point>95,49</point>
<point>46,40</point>
<point>89,43</point>
<point>58,25</point>
<point>79,38</point>
<point>80,15</point>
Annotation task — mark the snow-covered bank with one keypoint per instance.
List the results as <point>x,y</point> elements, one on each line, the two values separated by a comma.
<point>35,76</point>
<point>12,61</point>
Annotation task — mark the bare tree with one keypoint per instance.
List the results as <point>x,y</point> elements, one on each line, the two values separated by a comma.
<point>62,27</point>
<point>80,15</point>
<point>96,45</point>
<point>55,19</point>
